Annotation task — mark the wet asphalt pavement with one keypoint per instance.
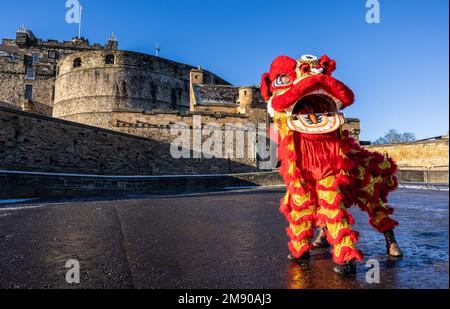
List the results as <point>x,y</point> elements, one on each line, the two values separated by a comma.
<point>222,240</point>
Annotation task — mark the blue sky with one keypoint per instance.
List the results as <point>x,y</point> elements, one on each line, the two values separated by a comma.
<point>398,69</point>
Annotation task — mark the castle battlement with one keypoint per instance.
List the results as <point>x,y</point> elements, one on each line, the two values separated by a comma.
<point>26,39</point>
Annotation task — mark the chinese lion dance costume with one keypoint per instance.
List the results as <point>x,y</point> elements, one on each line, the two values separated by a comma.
<point>324,169</point>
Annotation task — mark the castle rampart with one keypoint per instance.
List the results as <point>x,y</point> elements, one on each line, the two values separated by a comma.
<point>98,82</point>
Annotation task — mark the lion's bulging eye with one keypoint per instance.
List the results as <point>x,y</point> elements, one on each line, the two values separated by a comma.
<point>305,68</point>
<point>324,64</point>
<point>282,80</point>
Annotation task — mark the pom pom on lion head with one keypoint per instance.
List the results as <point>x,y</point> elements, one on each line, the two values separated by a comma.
<point>306,93</point>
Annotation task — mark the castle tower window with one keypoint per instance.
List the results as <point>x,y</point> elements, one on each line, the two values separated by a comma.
<point>31,73</point>
<point>27,60</point>
<point>29,92</point>
<point>52,54</point>
<point>77,63</point>
<point>173,99</point>
<point>109,59</point>
<point>35,57</point>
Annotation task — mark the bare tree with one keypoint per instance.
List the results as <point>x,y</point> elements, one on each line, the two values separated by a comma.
<point>394,137</point>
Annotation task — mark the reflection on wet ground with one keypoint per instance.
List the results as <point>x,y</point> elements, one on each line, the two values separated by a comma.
<point>224,240</point>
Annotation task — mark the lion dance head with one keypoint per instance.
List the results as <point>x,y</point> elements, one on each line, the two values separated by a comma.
<point>306,93</point>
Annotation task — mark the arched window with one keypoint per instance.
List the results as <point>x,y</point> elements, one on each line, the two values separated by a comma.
<point>109,59</point>
<point>77,63</point>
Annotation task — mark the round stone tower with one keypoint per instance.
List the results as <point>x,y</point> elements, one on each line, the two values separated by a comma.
<point>90,85</point>
<point>245,100</point>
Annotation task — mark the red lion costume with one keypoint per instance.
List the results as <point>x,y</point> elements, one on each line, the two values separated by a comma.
<point>324,169</point>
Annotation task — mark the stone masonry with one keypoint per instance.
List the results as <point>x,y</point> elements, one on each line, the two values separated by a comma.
<point>28,67</point>
<point>31,142</point>
<point>427,154</point>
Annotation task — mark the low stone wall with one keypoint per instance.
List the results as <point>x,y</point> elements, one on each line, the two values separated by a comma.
<point>438,176</point>
<point>420,154</point>
<point>14,185</point>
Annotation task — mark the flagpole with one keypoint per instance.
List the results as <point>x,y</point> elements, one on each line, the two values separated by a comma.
<point>79,24</point>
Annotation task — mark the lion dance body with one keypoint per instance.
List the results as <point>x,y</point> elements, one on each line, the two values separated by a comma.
<point>324,169</point>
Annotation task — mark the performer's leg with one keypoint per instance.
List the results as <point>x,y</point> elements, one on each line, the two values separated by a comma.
<point>301,235</point>
<point>339,225</point>
<point>321,239</point>
<point>299,210</point>
<point>377,176</point>
<point>379,218</point>
<point>391,244</point>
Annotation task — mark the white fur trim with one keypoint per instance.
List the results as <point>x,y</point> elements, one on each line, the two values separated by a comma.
<point>270,110</point>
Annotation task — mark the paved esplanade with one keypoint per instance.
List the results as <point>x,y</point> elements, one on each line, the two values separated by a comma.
<point>224,240</point>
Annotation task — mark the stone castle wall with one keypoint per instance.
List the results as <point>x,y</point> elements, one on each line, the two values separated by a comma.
<point>353,126</point>
<point>133,81</point>
<point>26,52</point>
<point>13,82</point>
<point>158,126</point>
<point>30,142</point>
<point>418,154</point>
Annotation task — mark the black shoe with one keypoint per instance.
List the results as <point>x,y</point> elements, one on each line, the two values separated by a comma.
<point>346,269</point>
<point>391,244</point>
<point>304,257</point>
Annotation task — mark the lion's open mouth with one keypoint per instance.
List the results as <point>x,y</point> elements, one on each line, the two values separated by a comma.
<point>316,113</point>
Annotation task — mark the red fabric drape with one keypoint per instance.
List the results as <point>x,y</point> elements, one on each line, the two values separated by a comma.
<point>318,154</point>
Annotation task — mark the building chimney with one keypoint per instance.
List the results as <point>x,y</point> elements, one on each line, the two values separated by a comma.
<point>196,77</point>
<point>24,37</point>
<point>113,43</point>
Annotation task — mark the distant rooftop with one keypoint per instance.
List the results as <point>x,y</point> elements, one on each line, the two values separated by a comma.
<point>217,94</point>
<point>436,138</point>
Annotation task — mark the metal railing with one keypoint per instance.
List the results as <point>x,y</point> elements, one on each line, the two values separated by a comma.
<point>436,177</point>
